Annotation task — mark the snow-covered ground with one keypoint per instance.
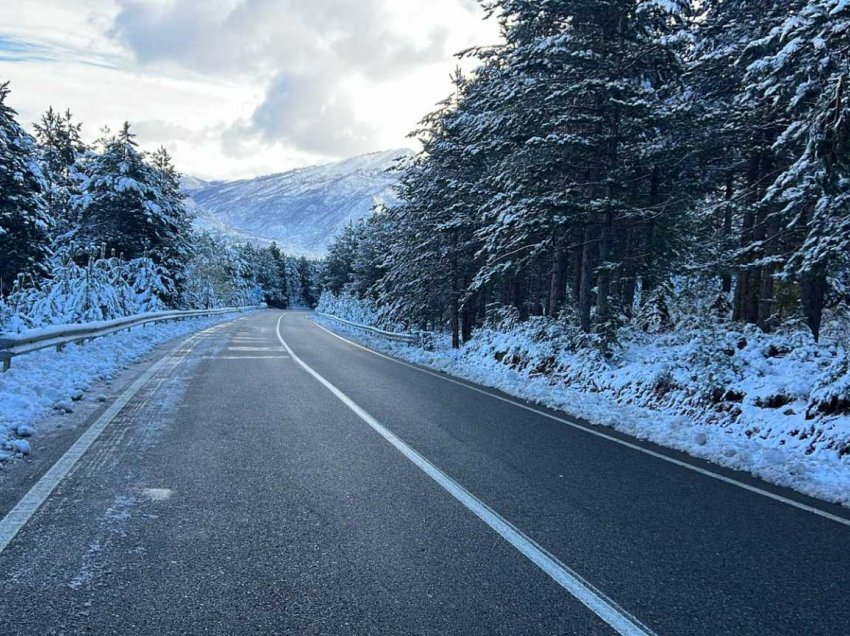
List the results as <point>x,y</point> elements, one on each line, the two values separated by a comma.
<point>44,382</point>
<point>748,401</point>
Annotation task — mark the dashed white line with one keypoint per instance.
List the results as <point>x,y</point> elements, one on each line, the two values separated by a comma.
<point>246,358</point>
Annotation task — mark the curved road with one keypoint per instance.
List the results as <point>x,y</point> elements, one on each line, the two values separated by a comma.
<point>268,477</point>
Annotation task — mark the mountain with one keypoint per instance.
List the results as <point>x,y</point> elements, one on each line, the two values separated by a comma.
<point>191,184</point>
<point>301,209</point>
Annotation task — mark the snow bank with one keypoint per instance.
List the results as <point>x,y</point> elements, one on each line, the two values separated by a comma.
<point>772,405</point>
<point>46,381</point>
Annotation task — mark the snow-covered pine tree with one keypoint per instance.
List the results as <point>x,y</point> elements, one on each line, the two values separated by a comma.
<point>60,146</point>
<point>586,179</point>
<point>308,280</point>
<point>25,221</point>
<point>339,262</point>
<point>372,241</point>
<point>801,76</point>
<point>172,222</point>
<point>418,279</point>
<point>430,239</point>
<point>133,207</point>
<point>739,149</point>
<point>205,274</point>
<point>280,299</point>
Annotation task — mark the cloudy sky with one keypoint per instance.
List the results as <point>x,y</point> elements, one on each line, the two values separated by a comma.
<point>239,88</point>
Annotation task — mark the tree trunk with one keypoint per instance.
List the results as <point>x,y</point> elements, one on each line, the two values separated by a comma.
<point>483,297</point>
<point>812,294</point>
<point>454,301</point>
<point>467,316</point>
<point>767,234</point>
<point>585,301</point>
<point>557,282</point>
<point>749,278</point>
<point>577,260</point>
<point>726,277</point>
<point>649,281</point>
<point>629,282</point>
<point>603,277</point>
<point>518,296</point>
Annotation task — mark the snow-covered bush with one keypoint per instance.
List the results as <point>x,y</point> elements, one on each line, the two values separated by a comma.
<point>223,274</point>
<point>831,395</point>
<point>348,307</point>
<point>103,289</point>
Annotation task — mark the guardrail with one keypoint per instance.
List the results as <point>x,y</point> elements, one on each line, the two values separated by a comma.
<point>12,345</point>
<point>409,338</point>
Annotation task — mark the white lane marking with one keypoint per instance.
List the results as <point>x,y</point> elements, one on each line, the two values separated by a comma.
<point>672,460</point>
<point>18,516</point>
<point>246,358</point>
<point>595,600</point>
<point>254,349</point>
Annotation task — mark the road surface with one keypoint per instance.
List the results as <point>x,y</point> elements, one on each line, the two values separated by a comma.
<point>270,478</point>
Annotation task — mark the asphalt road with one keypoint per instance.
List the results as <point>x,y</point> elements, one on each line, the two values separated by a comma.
<point>239,493</point>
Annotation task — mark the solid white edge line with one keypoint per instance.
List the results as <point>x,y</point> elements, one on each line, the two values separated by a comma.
<point>18,516</point>
<point>647,451</point>
<point>605,608</point>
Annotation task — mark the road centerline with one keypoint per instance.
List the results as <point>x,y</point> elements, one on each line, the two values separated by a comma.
<point>583,591</point>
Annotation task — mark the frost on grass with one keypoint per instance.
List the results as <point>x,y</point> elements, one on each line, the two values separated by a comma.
<point>775,405</point>
<point>47,381</point>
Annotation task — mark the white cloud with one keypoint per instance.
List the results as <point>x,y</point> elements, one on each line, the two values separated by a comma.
<point>241,87</point>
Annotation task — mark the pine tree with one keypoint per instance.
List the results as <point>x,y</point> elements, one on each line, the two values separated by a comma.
<point>742,142</point>
<point>339,262</point>
<point>367,266</point>
<point>279,296</point>
<point>172,225</point>
<point>801,76</point>
<point>307,282</point>
<point>132,207</point>
<point>24,217</point>
<point>60,147</point>
<point>581,96</point>
<point>430,238</point>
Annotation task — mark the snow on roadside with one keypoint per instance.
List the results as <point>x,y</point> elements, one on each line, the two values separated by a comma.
<point>773,453</point>
<point>45,381</point>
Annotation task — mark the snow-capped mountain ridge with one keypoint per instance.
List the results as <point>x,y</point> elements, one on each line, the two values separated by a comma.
<point>300,209</point>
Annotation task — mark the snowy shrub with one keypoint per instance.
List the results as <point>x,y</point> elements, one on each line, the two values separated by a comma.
<point>221,274</point>
<point>654,316</point>
<point>831,395</point>
<point>149,282</point>
<point>348,307</point>
<point>103,289</point>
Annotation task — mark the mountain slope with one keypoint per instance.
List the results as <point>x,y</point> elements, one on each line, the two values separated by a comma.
<point>302,209</point>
